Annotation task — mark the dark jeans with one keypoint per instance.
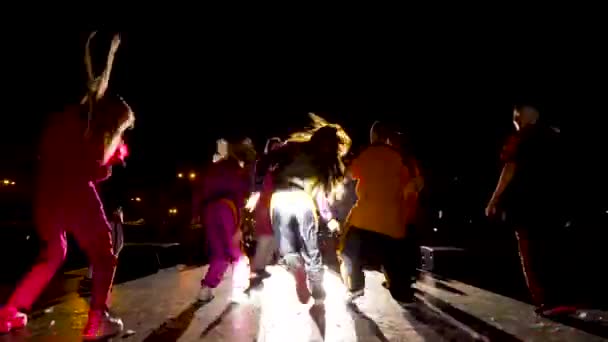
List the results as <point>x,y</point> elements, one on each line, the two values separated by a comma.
<point>398,257</point>
<point>296,230</point>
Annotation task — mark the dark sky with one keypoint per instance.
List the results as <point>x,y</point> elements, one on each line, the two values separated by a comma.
<point>452,92</point>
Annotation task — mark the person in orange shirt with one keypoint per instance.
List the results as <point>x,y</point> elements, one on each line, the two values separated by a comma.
<point>387,192</point>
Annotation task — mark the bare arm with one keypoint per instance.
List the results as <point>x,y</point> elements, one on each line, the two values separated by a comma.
<point>505,178</point>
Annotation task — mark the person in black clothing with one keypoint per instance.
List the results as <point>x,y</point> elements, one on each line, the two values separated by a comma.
<point>530,193</point>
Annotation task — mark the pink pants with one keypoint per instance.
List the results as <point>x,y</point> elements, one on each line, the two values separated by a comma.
<point>221,223</point>
<point>81,215</point>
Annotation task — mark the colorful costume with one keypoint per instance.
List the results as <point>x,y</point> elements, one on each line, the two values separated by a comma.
<point>67,201</point>
<point>224,189</point>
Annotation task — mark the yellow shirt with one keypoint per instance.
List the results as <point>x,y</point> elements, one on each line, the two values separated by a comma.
<point>384,205</point>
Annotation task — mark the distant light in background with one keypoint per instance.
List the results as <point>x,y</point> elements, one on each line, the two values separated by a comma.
<point>173,211</point>
<point>136,199</point>
<point>8,182</point>
<point>180,175</point>
<point>440,213</point>
<point>192,175</point>
<point>435,229</point>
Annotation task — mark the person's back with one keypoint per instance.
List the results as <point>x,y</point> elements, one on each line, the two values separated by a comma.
<point>380,190</point>
<point>538,182</point>
<point>225,179</point>
<point>67,163</point>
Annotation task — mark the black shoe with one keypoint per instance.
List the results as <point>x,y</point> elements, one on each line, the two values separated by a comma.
<point>262,274</point>
<point>403,297</point>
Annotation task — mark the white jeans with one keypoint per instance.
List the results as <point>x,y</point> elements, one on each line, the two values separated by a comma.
<point>265,249</point>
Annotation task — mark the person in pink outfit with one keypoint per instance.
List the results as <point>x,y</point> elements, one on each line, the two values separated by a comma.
<point>224,189</point>
<point>78,148</point>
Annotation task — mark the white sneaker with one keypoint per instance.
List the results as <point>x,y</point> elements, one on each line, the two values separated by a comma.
<point>101,325</point>
<point>205,294</point>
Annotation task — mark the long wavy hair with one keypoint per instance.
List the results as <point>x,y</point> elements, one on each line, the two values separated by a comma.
<point>327,143</point>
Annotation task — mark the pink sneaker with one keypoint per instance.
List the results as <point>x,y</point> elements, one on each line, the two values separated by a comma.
<point>11,319</point>
<point>101,325</point>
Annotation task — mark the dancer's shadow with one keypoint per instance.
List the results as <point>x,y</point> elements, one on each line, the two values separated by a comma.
<point>592,327</point>
<point>359,317</point>
<point>216,322</point>
<point>482,329</point>
<point>174,328</point>
<point>317,313</point>
<point>448,288</point>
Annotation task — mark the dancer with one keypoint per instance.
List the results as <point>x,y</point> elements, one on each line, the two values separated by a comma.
<point>530,191</point>
<point>309,167</point>
<point>76,152</point>
<point>266,244</point>
<point>224,188</point>
<point>378,223</point>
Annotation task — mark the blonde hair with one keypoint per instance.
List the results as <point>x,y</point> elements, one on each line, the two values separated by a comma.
<point>316,137</point>
<point>317,123</point>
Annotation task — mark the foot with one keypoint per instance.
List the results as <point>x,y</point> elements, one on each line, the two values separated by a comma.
<point>11,319</point>
<point>205,294</point>
<point>301,285</point>
<point>555,310</point>
<point>101,325</point>
<point>352,295</point>
<point>261,274</point>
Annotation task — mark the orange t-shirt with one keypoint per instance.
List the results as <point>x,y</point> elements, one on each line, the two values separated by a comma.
<point>383,205</point>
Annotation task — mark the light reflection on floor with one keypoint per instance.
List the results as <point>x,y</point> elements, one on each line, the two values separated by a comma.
<point>284,318</point>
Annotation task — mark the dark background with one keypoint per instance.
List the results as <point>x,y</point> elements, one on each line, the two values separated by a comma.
<point>451,91</point>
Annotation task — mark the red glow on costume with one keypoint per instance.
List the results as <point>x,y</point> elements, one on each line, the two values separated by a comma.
<point>120,155</point>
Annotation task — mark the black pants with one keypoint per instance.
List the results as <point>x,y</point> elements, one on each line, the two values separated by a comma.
<point>547,265</point>
<point>398,257</point>
<point>296,229</point>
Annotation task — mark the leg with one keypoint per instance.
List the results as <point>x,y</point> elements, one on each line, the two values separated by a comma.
<point>264,250</point>
<point>309,235</point>
<point>220,224</point>
<point>52,256</point>
<point>287,233</point>
<point>528,263</point>
<point>351,266</point>
<point>399,264</point>
<point>94,236</point>
<point>50,224</point>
